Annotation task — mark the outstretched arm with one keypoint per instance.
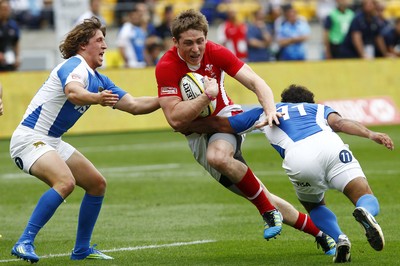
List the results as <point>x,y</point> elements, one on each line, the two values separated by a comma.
<point>137,105</point>
<point>351,127</point>
<point>255,83</point>
<point>78,95</point>
<point>239,124</point>
<point>211,124</point>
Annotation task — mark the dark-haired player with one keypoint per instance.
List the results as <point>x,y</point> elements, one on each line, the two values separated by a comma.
<point>315,159</point>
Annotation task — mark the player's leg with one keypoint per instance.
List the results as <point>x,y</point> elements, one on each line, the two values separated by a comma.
<point>293,218</point>
<point>52,170</point>
<point>347,176</point>
<point>305,165</point>
<point>322,216</point>
<point>220,156</point>
<point>90,179</point>
<point>304,223</point>
<point>367,207</point>
<point>360,194</point>
<point>36,155</point>
<point>326,220</point>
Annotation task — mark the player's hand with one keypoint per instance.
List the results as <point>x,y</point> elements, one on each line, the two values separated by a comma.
<point>382,138</point>
<point>107,98</point>
<point>271,119</point>
<point>211,86</point>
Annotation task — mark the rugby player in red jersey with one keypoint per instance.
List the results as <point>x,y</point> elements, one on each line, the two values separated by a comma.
<point>220,153</point>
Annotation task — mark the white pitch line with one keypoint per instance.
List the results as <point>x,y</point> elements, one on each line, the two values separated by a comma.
<point>177,244</point>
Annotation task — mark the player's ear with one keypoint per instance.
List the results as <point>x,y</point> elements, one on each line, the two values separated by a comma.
<point>175,41</point>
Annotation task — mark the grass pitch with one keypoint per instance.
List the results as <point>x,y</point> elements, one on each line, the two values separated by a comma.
<point>162,208</point>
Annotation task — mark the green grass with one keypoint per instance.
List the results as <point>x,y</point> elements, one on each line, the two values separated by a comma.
<point>158,195</point>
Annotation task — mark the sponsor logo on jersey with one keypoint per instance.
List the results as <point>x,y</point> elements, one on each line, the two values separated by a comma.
<point>303,184</point>
<point>81,109</point>
<point>75,76</point>
<point>38,144</point>
<point>168,90</point>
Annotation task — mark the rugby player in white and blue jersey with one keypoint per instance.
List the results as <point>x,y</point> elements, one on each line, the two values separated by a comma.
<point>37,148</point>
<point>315,159</point>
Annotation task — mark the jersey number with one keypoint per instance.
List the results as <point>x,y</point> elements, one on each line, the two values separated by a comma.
<point>285,109</point>
<point>345,156</point>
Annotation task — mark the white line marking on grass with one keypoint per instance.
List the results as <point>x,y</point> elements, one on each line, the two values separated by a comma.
<point>177,244</point>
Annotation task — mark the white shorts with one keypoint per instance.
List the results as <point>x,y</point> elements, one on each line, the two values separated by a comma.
<point>318,163</point>
<point>198,144</point>
<point>26,146</point>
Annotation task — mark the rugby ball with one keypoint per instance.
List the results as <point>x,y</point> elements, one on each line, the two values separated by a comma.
<point>192,86</point>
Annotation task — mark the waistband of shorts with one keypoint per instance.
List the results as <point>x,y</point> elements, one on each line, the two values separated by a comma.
<point>26,129</point>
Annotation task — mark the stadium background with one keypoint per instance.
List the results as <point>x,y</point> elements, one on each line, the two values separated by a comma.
<point>330,80</point>
<point>158,198</point>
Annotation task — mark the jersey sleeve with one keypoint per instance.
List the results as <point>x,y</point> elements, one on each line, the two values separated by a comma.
<point>328,110</point>
<point>245,122</point>
<point>72,70</point>
<point>167,80</point>
<point>109,85</point>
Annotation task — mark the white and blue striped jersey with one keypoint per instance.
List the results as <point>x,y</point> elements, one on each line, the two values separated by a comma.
<point>50,112</point>
<point>300,120</point>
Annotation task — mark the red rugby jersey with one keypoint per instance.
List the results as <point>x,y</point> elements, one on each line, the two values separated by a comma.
<point>217,61</point>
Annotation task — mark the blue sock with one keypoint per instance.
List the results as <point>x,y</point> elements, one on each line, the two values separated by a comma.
<point>370,203</point>
<point>44,210</point>
<point>326,221</point>
<point>89,211</point>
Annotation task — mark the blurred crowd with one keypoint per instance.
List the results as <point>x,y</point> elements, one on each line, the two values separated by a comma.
<point>269,30</point>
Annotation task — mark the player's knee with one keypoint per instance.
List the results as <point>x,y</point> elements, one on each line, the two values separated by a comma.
<point>65,186</point>
<point>218,159</point>
<point>101,186</point>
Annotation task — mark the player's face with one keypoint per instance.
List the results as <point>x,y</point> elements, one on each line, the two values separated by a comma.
<point>191,46</point>
<point>93,52</point>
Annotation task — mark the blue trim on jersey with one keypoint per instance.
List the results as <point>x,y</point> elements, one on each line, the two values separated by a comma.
<point>279,149</point>
<point>66,118</point>
<point>66,68</point>
<point>298,125</point>
<point>246,120</point>
<point>32,119</point>
<point>107,84</point>
<point>327,111</point>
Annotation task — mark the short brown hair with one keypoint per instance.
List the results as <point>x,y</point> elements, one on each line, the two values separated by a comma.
<point>80,35</point>
<point>189,20</point>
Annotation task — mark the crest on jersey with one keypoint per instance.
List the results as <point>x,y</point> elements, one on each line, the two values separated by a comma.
<point>209,71</point>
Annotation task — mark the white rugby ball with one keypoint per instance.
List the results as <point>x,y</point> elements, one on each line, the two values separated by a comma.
<point>192,86</point>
